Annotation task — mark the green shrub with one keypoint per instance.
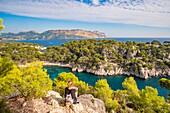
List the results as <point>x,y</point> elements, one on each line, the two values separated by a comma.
<point>105,93</point>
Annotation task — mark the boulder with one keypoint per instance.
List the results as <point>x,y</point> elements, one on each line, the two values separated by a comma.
<point>91,104</point>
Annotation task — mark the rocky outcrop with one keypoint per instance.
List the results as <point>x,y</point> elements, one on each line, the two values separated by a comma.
<point>54,103</point>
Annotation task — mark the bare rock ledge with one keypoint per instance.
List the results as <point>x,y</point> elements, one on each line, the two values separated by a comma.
<point>55,104</point>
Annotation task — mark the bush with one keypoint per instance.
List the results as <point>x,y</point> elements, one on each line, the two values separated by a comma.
<point>105,93</point>
<point>164,83</point>
<point>156,42</point>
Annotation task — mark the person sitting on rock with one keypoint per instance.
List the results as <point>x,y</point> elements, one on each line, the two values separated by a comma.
<point>71,93</point>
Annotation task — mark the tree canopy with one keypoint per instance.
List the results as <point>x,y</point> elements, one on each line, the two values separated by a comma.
<point>104,92</point>
<point>164,83</point>
<point>1,25</point>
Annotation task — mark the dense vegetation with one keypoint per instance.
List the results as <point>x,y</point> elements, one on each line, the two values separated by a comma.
<point>96,55</point>
<point>20,53</point>
<point>33,82</point>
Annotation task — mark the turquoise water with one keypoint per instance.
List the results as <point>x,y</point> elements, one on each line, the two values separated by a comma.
<point>115,82</point>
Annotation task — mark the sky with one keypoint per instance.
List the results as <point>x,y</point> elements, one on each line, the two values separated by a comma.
<point>116,18</point>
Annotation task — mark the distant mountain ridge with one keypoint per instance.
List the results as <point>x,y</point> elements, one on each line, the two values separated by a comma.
<point>53,34</point>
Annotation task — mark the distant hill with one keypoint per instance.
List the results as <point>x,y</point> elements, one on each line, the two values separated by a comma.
<point>53,34</point>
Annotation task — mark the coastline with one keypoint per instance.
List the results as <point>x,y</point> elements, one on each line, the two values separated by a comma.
<point>143,73</point>
<point>57,64</point>
<point>52,39</point>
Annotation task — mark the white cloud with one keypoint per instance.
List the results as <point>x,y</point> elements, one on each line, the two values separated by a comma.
<point>95,2</point>
<point>147,13</point>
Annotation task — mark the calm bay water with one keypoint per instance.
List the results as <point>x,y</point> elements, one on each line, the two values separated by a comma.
<point>115,82</point>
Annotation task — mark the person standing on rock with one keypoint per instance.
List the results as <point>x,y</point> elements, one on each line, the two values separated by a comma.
<point>71,93</point>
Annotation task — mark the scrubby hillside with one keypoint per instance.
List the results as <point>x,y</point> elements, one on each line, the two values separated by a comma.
<point>101,57</point>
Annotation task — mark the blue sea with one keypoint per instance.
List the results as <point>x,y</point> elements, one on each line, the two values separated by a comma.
<point>61,41</point>
<point>115,82</point>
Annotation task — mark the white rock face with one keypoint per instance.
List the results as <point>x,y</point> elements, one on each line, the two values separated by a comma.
<point>142,73</point>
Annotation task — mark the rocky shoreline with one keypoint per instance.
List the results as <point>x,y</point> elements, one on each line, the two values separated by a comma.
<point>142,73</point>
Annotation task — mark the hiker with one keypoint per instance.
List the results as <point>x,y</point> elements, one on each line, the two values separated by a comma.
<point>71,93</point>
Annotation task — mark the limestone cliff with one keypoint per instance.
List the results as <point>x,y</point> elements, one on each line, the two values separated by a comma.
<point>144,73</point>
